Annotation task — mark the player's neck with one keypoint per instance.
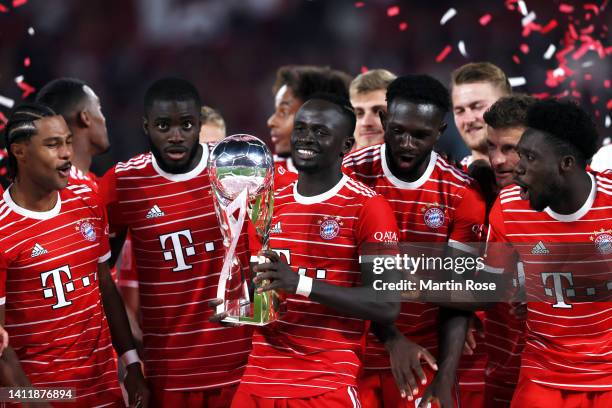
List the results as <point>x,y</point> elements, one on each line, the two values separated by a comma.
<point>574,196</point>
<point>478,155</point>
<point>312,184</point>
<point>27,194</point>
<point>81,157</point>
<point>412,175</point>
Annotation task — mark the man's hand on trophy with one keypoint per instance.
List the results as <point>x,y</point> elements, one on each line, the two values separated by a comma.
<point>218,317</point>
<point>275,274</point>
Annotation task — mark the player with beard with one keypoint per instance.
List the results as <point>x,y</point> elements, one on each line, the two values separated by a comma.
<point>58,300</point>
<point>432,202</point>
<point>80,107</point>
<point>164,199</point>
<point>294,85</point>
<point>367,93</point>
<point>311,356</point>
<point>504,326</point>
<point>474,88</point>
<point>557,220</point>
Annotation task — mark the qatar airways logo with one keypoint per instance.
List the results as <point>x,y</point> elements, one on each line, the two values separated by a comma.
<point>386,236</point>
<point>557,291</point>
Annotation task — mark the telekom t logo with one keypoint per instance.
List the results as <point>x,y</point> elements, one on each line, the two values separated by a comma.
<point>57,285</point>
<point>176,252</point>
<point>557,289</point>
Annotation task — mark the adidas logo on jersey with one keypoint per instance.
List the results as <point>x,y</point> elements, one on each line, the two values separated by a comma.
<point>38,250</point>
<point>540,249</point>
<point>276,228</point>
<point>155,212</point>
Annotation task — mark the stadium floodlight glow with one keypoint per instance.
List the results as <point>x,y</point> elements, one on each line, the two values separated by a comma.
<point>241,170</point>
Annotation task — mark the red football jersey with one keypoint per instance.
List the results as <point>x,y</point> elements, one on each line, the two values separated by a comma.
<point>49,286</point>
<point>179,254</point>
<point>568,344</point>
<point>443,205</point>
<point>284,172</point>
<point>77,177</point>
<point>313,349</point>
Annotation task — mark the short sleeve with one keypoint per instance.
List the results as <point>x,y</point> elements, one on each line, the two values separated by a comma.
<point>128,275</point>
<point>499,254</point>
<point>109,197</point>
<point>469,219</point>
<point>376,223</point>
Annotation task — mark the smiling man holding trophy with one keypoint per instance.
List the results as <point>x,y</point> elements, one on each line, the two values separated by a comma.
<point>310,355</point>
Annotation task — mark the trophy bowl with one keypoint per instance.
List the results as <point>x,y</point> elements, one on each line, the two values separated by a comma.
<point>241,170</point>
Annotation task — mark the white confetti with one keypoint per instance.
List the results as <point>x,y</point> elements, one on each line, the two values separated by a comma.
<point>461,47</point>
<point>517,81</point>
<point>448,15</point>
<point>559,72</point>
<point>31,30</point>
<point>606,141</point>
<point>550,51</point>
<point>528,18</point>
<point>587,64</point>
<point>608,121</point>
<point>522,7</point>
<point>8,102</point>
<point>19,79</point>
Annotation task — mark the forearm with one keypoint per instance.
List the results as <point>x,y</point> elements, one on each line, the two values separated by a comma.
<point>11,372</point>
<point>385,333</point>
<point>451,338</point>
<point>118,322</point>
<point>360,302</point>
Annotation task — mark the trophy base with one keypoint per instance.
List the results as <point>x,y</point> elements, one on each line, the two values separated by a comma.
<point>263,310</point>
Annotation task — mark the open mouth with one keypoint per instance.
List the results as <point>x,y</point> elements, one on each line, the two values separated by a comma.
<point>64,170</point>
<point>176,153</point>
<point>305,154</point>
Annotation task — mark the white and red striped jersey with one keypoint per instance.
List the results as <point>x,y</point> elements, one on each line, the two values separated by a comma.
<point>443,205</point>
<point>568,343</point>
<point>77,177</point>
<point>313,349</point>
<point>49,288</point>
<point>284,172</point>
<point>179,253</point>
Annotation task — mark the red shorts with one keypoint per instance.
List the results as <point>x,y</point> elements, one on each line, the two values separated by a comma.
<point>341,398</point>
<point>532,395</point>
<point>498,395</point>
<point>211,398</point>
<point>377,389</point>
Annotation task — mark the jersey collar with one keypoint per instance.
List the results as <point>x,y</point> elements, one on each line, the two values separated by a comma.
<point>183,176</point>
<point>320,197</point>
<point>37,215</point>
<point>410,185</point>
<point>581,211</point>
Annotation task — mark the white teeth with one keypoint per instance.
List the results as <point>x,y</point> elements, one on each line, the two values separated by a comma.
<point>304,152</point>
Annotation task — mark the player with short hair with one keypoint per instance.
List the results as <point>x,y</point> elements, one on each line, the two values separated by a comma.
<point>81,109</point>
<point>58,300</point>
<point>557,220</point>
<point>213,125</point>
<point>164,198</point>
<point>432,202</point>
<point>367,92</point>
<point>311,356</point>
<point>294,85</point>
<point>474,88</point>
<point>506,121</point>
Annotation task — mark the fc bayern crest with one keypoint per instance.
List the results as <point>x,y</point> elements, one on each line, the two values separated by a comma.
<point>86,229</point>
<point>330,228</point>
<point>603,241</point>
<point>434,217</point>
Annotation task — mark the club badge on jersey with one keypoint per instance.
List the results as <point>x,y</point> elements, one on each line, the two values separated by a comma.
<point>330,227</point>
<point>603,241</point>
<point>433,216</point>
<point>86,228</point>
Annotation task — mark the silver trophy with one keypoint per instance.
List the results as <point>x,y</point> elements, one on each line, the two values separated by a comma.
<point>241,172</point>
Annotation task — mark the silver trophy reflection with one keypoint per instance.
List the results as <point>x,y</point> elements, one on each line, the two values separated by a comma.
<point>241,172</point>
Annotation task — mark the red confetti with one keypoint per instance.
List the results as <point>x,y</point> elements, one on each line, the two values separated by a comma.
<point>17,3</point>
<point>3,9</point>
<point>592,7</point>
<point>359,4</point>
<point>584,48</point>
<point>484,20</point>
<point>588,30</point>
<point>573,84</point>
<point>3,120</point>
<point>26,62</point>
<point>444,53</point>
<point>609,105</point>
<point>524,48</point>
<point>587,16</point>
<point>403,26</point>
<point>542,95</point>
<point>576,94</point>
<point>26,88</point>
<point>594,99</point>
<point>364,69</point>
<point>393,11</point>
<point>597,114</point>
<point>573,32</point>
<point>551,25</point>
<point>607,83</point>
<point>588,77</point>
<point>516,59</point>
<point>566,8</point>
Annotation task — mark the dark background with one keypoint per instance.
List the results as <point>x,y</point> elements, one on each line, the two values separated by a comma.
<point>231,49</point>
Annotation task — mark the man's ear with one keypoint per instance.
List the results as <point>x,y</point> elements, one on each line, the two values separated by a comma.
<point>348,145</point>
<point>441,130</point>
<point>19,150</point>
<point>383,119</point>
<point>83,119</point>
<point>567,163</point>
<point>145,123</point>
